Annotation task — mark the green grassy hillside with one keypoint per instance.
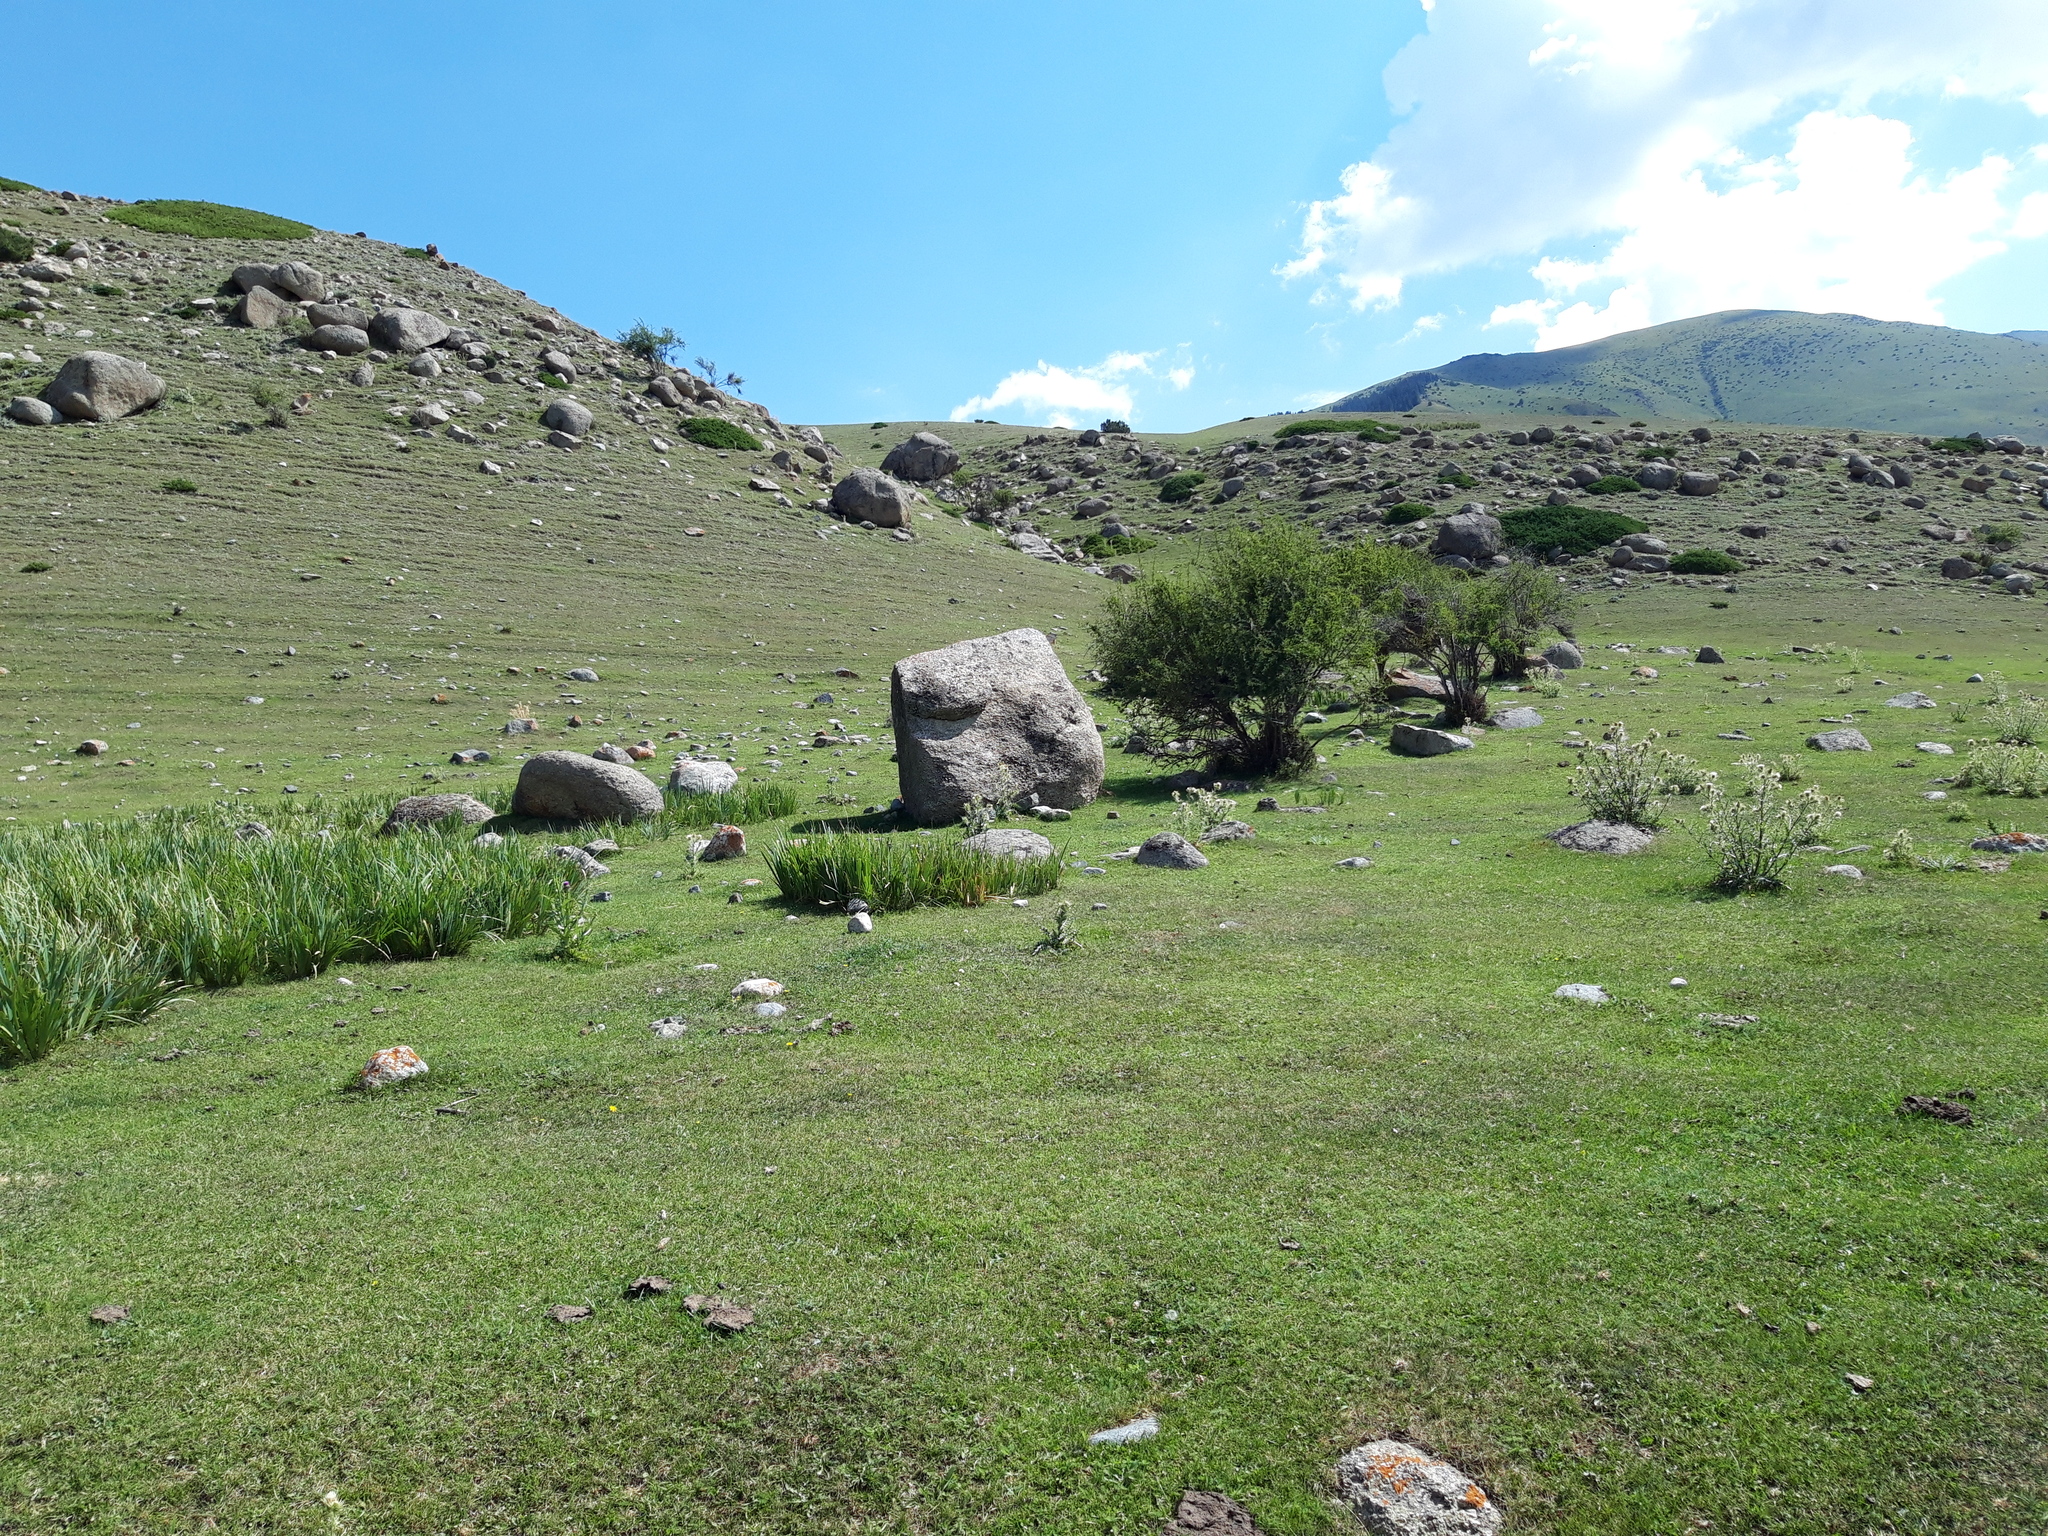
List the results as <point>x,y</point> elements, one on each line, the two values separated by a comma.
<point>1836,371</point>
<point>1286,1154</point>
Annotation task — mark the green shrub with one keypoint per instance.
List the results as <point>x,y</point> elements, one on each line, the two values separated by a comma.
<point>894,873</point>
<point>35,568</point>
<point>652,347</point>
<point>1371,431</point>
<point>1406,512</point>
<point>15,246</point>
<point>1575,530</point>
<point>180,487</point>
<point>418,253</point>
<point>714,433</point>
<point>1622,781</point>
<point>1613,485</point>
<point>1107,546</point>
<point>1705,562</point>
<point>2001,535</point>
<point>1181,487</point>
<point>208,221</point>
<point>9,184</point>
<point>2020,719</point>
<point>1652,453</point>
<point>107,291</point>
<point>1974,443</point>
<point>1462,481</point>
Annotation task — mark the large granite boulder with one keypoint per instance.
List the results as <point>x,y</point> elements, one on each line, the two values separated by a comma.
<point>869,496</point>
<point>567,415</point>
<point>701,776</point>
<point>1426,741</point>
<point>967,713</point>
<point>408,330</point>
<point>99,386</point>
<point>925,456</point>
<point>1474,535</point>
<point>263,309</point>
<point>567,786</point>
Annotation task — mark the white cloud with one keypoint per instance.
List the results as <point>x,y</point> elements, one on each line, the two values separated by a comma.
<point>1061,397</point>
<point>1425,326</point>
<point>1629,126</point>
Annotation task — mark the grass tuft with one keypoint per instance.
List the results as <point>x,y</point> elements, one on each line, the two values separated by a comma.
<point>894,874</point>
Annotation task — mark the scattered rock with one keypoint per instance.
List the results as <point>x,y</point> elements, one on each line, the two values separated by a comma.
<point>1564,656</point>
<point>869,496</point>
<point>407,330</point>
<point>1844,740</point>
<point>588,867</point>
<point>92,748</point>
<point>1169,850</point>
<point>100,386</point>
<point>1520,718</point>
<point>299,280</point>
<point>262,309</point>
<point>566,1314</point>
<point>1845,871</point>
<point>1127,1434</point>
<point>609,753</point>
<point>1697,482</point>
<point>1012,842</point>
<point>343,340</point>
<point>1475,535</point>
<point>1356,861</point>
<point>430,810</point>
<point>424,366</point>
<point>697,776</point>
<point>1858,1383</point>
<point>1426,741</point>
<point>1616,837</point>
<point>1937,1109</point>
<point>673,1027</point>
<point>254,831</point>
<point>1396,1489</point>
<point>725,842</point>
<point>922,457</point>
<point>1582,992</point>
<point>30,412</point>
<point>567,415</point>
<point>757,989</point>
<point>567,786</point>
<point>393,1064</point>
<point>970,713</point>
<point>2012,842</point>
<point>860,922</point>
<point>1709,657</point>
<point>1913,700</point>
<point>1229,832</point>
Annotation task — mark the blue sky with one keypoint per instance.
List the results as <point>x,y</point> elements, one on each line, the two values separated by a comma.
<point>1180,212</point>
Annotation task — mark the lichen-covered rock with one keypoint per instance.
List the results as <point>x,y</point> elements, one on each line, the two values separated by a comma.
<point>924,456</point>
<point>393,1064</point>
<point>430,810</point>
<point>408,330</point>
<point>1844,740</point>
<point>869,496</point>
<point>724,843</point>
<point>695,776</point>
<point>1397,1489</point>
<point>1603,837</point>
<point>974,715</point>
<point>1169,850</point>
<point>567,786</point>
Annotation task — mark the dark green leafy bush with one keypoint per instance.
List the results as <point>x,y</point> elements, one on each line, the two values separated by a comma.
<point>180,487</point>
<point>208,221</point>
<point>1406,512</point>
<point>1613,485</point>
<point>1371,431</point>
<point>1181,487</point>
<point>1705,562</point>
<point>711,432</point>
<point>35,568</point>
<point>1575,530</point>
<point>2001,535</point>
<point>1462,481</point>
<point>1974,443</point>
<point>1106,546</point>
<point>15,246</point>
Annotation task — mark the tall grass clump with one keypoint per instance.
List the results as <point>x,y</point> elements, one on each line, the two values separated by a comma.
<point>757,800</point>
<point>2005,768</point>
<point>1755,831</point>
<point>99,923</point>
<point>894,874</point>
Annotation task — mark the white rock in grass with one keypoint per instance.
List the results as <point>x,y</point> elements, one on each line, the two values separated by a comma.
<point>1014,842</point>
<point>674,1027</point>
<point>1913,700</point>
<point>1397,1489</point>
<point>1937,748</point>
<point>1582,992</point>
<point>1356,861</point>
<point>769,1010</point>
<point>1127,1434</point>
<point>1846,871</point>
<point>860,922</point>
<point>757,989</point>
<point>691,776</point>
<point>393,1064</point>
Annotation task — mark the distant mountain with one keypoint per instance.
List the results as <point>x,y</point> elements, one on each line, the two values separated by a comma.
<point>1774,365</point>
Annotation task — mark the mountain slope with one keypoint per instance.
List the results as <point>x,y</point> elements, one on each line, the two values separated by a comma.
<point>1754,365</point>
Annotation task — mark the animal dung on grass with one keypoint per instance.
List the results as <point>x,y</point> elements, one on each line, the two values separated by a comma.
<point>393,1064</point>
<point>430,810</point>
<point>1209,1514</point>
<point>568,786</point>
<point>108,1315</point>
<point>718,1314</point>
<point>1397,1489</point>
<point>1937,1109</point>
<point>649,1285</point>
<point>989,712</point>
<point>568,1314</point>
<point>1616,837</point>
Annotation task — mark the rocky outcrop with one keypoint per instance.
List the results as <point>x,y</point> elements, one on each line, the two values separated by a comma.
<point>99,386</point>
<point>922,457</point>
